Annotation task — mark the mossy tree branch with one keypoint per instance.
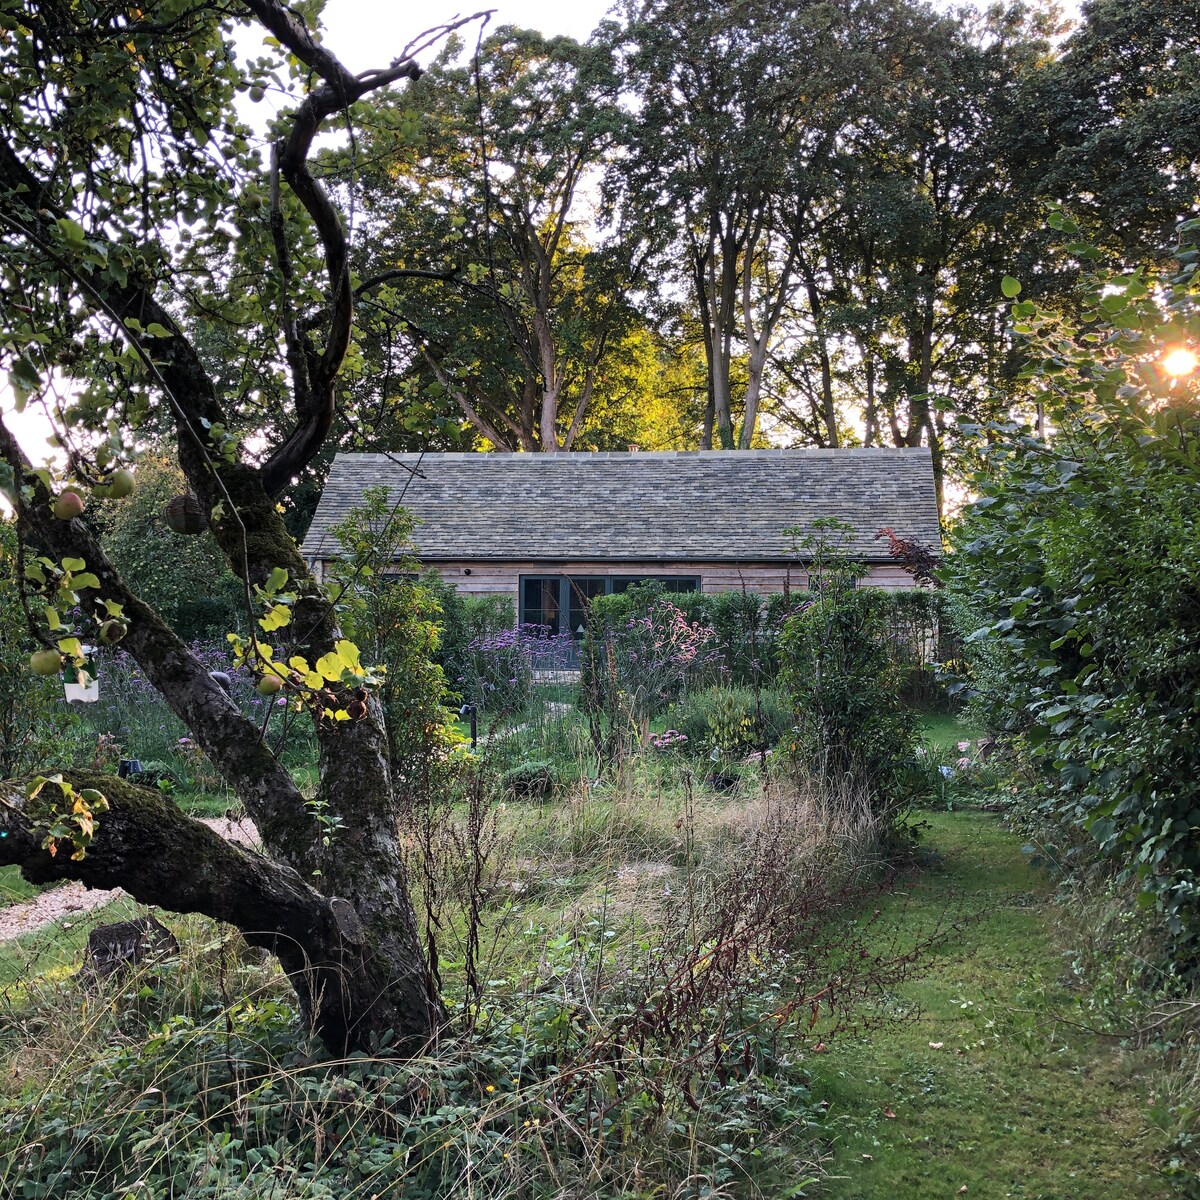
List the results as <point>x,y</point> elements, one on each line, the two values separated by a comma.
<point>151,850</point>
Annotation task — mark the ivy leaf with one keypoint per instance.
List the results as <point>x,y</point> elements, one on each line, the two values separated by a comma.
<point>1010,287</point>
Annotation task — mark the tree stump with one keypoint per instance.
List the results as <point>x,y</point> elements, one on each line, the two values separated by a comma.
<point>115,948</point>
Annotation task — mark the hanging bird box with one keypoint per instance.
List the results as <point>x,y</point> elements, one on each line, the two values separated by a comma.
<point>184,514</point>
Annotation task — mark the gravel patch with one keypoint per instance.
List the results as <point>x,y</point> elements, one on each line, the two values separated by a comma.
<point>72,900</point>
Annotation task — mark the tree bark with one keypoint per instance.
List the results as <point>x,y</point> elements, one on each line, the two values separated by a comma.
<point>147,847</point>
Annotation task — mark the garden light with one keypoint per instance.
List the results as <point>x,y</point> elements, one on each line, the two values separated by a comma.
<point>1180,361</point>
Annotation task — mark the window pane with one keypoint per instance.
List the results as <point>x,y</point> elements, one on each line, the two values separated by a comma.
<point>583,589</point>
<point>670,583</point>
<point>539,602</point>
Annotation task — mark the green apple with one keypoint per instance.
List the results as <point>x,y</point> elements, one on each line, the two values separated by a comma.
<point>268,685</point>
<point>120,484</point>
<point>45,662</point>
<point>68,506</point>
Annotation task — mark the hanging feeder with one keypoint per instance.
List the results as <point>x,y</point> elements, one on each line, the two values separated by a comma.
<point>80,684</point>
<point>185,514</point>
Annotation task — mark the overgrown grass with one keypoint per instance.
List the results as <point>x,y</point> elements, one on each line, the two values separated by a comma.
<point>632,1021</point>
<point>993,1088</point>
<point>54,950</point>
<point>635,1031</point>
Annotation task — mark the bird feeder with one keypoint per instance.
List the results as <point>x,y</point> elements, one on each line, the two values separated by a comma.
<point>185,514</point>
<point>80,684</point>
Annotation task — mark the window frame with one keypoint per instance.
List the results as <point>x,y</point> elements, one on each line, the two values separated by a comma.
<point>568,582</point>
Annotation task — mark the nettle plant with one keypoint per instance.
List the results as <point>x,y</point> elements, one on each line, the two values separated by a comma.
<point>161,277</point>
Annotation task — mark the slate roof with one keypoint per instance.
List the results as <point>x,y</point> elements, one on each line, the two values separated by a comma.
<point>698,506</point>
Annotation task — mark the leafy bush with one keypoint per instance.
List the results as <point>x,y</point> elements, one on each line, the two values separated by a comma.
<point>920,636</point>
<point>185,578</point>
<point>744,635</point>
<point>843,685</point>
<point>393,618</point>
<point>733,721</point>
<point>1080,562</point>
<point>468,623</point>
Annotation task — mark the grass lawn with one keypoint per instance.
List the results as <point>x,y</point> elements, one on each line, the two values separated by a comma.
<point>944,731</point>
<point>14,889</point>
<point>988,1090</point>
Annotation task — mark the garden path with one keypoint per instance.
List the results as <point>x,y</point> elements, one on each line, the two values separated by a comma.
<point>992,1082</point>
<point>71,900</point>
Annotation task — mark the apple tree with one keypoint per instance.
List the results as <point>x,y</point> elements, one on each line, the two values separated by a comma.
<point>164,273</point>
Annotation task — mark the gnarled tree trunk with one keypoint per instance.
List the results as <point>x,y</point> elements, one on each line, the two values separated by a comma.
<point>330,896</point>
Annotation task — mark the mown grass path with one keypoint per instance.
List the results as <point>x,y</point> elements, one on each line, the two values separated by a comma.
<point>992,1091</point>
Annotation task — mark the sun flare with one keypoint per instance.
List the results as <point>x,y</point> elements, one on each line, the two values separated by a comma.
<point>1180,361</point>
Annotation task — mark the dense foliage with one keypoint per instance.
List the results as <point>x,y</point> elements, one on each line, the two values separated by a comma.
<point>843,684</point>
<point>394,619</point>
<point>1080,562</point>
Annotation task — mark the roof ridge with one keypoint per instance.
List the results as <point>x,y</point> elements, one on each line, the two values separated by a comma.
<point>574,456</point>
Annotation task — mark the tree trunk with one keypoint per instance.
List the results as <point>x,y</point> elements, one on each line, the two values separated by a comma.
<point>382,981</point>
<point>351,988</point>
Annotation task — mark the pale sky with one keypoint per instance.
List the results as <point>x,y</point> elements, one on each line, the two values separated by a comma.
<point>366,33</point>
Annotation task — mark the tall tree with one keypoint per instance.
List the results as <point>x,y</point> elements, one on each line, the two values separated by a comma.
<point>125,176</point>
<point>899,331</point>
<point>1112,126</point>
<point>485,276</point>
<point>741,107</point>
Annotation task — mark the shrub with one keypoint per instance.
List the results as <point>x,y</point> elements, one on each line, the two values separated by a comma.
<point>466,624</point>
<point>185,578</point>
<point>498,671</point>
<point>842,684</point>
<point>393,619</point>
<point>1080,561</point>
<point>920,636</point>
<point>744,635</point>
<point>734,721</point>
